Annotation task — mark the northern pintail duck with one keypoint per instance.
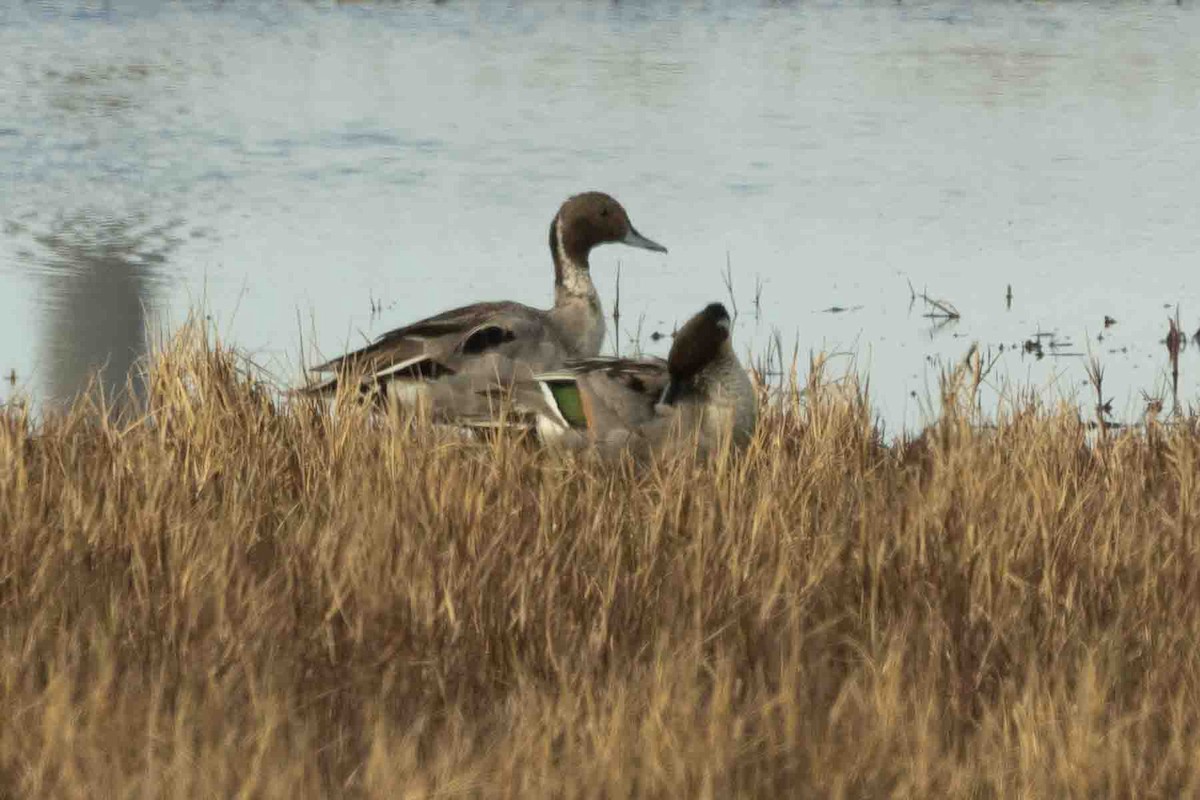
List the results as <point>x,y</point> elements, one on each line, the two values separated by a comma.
<point>444,359</point>
<point>700,391</point>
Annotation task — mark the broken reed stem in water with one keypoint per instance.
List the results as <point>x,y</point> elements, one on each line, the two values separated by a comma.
<point>1176,341</point>
<point>942,309</point>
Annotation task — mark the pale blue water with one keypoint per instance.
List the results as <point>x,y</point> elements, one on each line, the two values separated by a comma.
<point>288,164</point>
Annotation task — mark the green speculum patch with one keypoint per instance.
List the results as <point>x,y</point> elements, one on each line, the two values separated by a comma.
<point>570,403</point>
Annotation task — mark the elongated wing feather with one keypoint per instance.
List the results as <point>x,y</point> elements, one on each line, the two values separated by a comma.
<point>645,376</point>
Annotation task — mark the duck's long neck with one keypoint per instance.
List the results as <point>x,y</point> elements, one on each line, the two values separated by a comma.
<point>577,312</point>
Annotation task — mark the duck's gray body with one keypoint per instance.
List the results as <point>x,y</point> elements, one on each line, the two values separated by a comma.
<point>440,360</point>
<point>446,362</point>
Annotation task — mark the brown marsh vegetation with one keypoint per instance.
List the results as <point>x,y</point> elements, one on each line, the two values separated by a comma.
<point>231,596</point>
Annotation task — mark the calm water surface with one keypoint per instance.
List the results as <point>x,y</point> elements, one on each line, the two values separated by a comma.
<point>322,173</point>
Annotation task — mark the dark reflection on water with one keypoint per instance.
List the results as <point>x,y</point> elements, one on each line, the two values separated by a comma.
<point>100,279</point>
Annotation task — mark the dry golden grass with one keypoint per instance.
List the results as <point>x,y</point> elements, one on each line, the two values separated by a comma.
<point>233,597</point>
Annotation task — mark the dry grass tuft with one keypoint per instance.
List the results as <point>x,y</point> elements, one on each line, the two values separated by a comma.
<point>230,595</point>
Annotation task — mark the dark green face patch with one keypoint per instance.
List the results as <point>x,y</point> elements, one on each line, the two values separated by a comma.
<point>569,401</point>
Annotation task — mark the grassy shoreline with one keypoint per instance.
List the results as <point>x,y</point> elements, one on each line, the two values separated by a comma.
<point>235,597</point>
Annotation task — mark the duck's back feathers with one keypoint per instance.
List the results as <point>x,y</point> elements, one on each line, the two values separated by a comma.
<point>643,376</point>
<point>471,329</point>
<point>482,339</point>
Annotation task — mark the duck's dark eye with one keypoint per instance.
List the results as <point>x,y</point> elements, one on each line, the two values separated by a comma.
<point>604,211</point>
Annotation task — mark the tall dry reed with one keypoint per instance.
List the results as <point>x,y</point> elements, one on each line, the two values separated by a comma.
<point>232,596</point>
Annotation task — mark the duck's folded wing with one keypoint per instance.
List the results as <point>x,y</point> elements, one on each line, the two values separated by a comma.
<point>590,394</point>
<point>602,394</point>
<point>619,400</point>
<point>647,375</point>
<point>446,343</point>
<point>623,399</point>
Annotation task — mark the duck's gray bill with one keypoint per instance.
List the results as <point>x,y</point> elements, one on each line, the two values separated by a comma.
<point>635,239</point>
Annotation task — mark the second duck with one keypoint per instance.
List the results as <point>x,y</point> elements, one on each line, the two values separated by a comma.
<point>700,397</point>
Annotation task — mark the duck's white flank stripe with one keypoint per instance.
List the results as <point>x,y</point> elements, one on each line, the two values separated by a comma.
<point>400,366</point>
<point>552,404</point>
